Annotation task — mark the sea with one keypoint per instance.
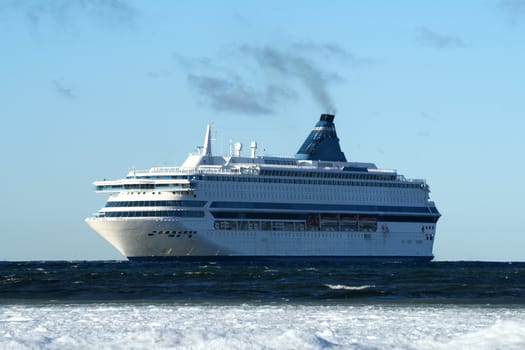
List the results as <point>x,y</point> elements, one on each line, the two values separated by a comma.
<point>263,304</point>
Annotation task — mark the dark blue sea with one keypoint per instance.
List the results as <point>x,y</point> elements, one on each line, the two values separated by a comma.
<point>264,304</point>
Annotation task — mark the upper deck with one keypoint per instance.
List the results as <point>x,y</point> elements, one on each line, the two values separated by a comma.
<point>250,169</point>
<point>318,161</point>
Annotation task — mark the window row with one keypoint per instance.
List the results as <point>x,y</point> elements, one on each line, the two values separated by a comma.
<point>325,218</point>
<point>362,175</point>
<point>156,204</point>
<point>251,225</point>
<point>262,179</point>
<point>141,187</point>
<point>157,213</point>
<point>158,177</point>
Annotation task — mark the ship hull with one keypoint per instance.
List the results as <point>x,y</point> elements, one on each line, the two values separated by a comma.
<point>278,258</point>
<point>161,239</point>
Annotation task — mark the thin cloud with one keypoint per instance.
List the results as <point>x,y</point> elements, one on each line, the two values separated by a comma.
<point>515,9</point>
<point>427,37</point>
<point>322,49</point>
<point>65,11</point>
<point>426,117</point>
<point>192,63</point>
<point>233,94</point>
<point>330,50</point>
<point>158,74</point>
<point>63,91</point>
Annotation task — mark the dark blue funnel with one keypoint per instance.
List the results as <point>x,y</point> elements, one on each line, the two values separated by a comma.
<point>322,143</point>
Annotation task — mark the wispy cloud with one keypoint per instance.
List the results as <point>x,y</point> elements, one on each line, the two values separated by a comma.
<point>330,50</point>
<point>158,74</point>
<point>427,37</point>
<point>63,91</point>
<point>423,133</point>
<point>64,11</point>
<point>192,63</point>
<point>515,9</point>
<point>233,94</point>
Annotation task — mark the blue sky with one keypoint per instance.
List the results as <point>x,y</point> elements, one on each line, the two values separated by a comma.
<point>91,89</point>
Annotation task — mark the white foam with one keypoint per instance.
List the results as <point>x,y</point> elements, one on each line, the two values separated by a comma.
<point>274,326</point>
<point>342,286</point>
<point>500,335</point>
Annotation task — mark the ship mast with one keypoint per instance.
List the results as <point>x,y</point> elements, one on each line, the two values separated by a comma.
<point>206,150</point>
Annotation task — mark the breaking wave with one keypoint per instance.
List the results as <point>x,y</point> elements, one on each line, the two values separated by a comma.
<point>343,287</point>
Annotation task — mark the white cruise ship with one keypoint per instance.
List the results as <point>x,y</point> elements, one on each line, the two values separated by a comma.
<point>314,204</point>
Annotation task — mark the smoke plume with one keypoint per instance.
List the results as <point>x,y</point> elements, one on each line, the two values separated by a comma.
<point>231,93</point>
<point>290,65</point>
<point>262,77</point>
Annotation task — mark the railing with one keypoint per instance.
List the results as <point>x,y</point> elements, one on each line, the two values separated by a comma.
<point>188,171</point>
<point>247,170</point>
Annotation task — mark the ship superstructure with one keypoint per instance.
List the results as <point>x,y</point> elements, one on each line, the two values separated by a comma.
<point>315,204</point>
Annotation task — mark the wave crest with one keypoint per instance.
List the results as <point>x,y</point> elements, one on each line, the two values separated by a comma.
<point>344,287</point>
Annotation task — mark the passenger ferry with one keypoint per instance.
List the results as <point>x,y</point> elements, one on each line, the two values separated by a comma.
<point>314,204</point>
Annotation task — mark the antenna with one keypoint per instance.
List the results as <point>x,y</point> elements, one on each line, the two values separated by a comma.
<point>238,148</point>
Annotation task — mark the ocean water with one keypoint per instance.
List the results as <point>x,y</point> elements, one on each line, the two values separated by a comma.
<point>262,305</point>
